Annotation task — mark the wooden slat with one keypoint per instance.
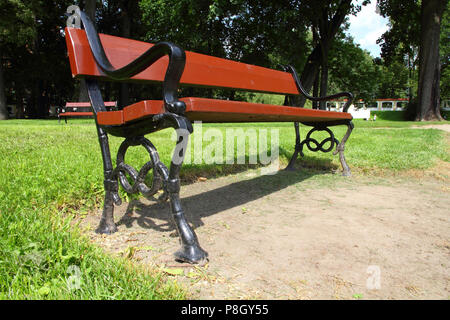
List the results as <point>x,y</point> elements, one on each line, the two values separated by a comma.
<point>110,118</point>
<point>75,114</point>
<point>212,110</point>
<point>87,104</point>
<point>200,70</point>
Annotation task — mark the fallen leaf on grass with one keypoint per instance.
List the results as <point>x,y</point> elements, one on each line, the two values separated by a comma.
<point>173,272</point>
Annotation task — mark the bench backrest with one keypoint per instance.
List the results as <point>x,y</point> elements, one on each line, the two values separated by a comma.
<point>201,70</point>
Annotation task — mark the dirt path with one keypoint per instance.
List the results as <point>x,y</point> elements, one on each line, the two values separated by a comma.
<point>445,127</point>
<point>299,236</point>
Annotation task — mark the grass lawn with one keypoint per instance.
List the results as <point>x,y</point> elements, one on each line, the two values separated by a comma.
<point>50,172</point>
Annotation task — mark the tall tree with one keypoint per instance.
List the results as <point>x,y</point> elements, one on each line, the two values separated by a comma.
<point>428,91</point>
<point>16,29</point>
<point>420,28</point>
<point>328,16</point>
<point>445,54</point>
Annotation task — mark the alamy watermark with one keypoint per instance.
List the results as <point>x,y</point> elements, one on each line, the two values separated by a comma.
<point>73,281</point>
<point>74,20</point>
<point>228,146</point>
<point>373,282</point>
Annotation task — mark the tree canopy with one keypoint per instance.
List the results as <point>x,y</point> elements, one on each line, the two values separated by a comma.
<point>415,38</point>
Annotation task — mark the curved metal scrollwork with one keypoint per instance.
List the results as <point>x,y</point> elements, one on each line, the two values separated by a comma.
<point>302,90</point>
<point>138,178</point>
<point>177,61</point>
<point>319,146</point>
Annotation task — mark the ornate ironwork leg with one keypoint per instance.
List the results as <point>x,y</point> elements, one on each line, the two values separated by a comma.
<point>341,148</point>
<point>162,176</point>
<point>107,224</point>
<point>290,166</point>
<point>190,250</point>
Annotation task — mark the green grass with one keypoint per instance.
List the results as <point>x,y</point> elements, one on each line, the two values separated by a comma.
<point>392,123</point>
<point>50,173</point>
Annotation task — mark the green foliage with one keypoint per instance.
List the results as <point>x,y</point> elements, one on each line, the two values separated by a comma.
<point>353,69</point>
<point>393,81</point>
<point>17,22</point>
<point>402,39</point>
<point>177,21</point>
<point>230,29</point>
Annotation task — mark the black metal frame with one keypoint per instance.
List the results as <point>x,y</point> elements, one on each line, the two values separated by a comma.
<point>134,136</point>
<point>173,117</point>
<point>321,126</point>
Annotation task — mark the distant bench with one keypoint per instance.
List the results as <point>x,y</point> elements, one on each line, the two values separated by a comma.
<point>95,57</point>
<point>78,105</point>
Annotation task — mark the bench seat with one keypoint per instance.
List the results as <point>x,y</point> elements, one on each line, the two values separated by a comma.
<point>213,110</point>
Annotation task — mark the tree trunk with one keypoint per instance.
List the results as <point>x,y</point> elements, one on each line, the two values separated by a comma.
<point>429,64</point>
<point>89,9</point>
<point>316,92</point>
<point>316,85</point>
<point>328,30</point>
<point>3,108</point>
<point>310,71</point>
<point>324,79</point>
<point>410,77</point>
<point>19,105</point>
<point>323,85</point>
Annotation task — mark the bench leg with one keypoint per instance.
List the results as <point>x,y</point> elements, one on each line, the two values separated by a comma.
<point>107,225</point>
<point>190,250</point>
<point>290,166</point>
<point>341,148</point>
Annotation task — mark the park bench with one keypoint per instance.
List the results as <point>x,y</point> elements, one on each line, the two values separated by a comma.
<point>103,57</point>
<point>79,105</point>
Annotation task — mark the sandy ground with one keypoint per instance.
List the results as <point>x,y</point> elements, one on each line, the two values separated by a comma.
<point>297,235</point>
<point>445,127</point>
<point>300,236</point>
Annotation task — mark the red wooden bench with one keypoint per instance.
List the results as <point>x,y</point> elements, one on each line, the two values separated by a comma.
<point>103,57</point>
<point>76,105</point>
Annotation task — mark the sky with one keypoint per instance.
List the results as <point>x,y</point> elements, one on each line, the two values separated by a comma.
<point>366,27</point>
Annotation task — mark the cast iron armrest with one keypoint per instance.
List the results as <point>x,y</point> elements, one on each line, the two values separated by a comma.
<point>300,88</point>
<point>177,61</point>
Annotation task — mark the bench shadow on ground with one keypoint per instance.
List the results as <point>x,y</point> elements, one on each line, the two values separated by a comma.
<point>209,202</point>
